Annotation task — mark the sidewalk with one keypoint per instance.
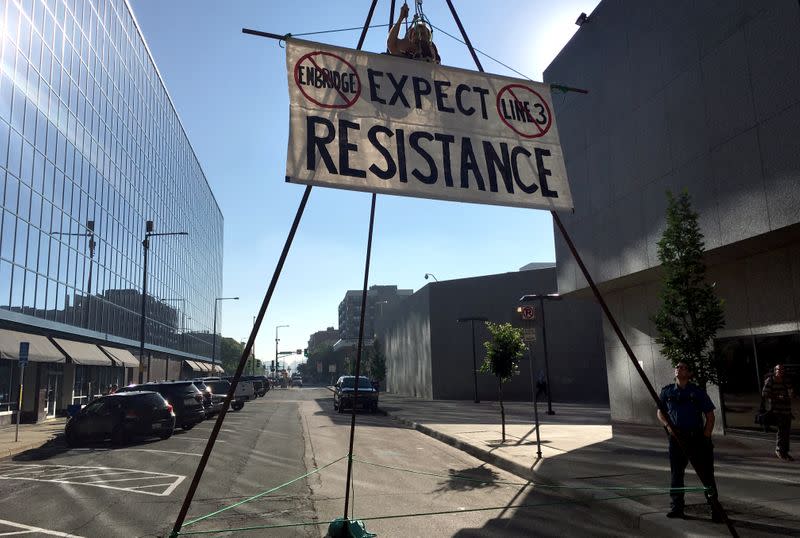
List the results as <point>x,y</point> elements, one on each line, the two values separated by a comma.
<point>30,436</point>
<point>581,448</point>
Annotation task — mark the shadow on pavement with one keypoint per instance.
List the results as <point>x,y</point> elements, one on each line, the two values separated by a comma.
<point>760,495</point>
<point>469,479</point>
<point>57,446</point>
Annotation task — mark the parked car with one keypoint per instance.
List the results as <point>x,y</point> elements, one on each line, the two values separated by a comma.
<point>297,380</point>
<point>222,387</point>
<point>259,385</point>
<point>212,403</point>
<point>186,400</point>
<point>244,389</point>
<point>343,394</point>
<point>120,417</point>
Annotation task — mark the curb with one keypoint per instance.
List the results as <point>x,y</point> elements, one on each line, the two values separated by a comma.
<point>635,515</point>
<point>22,446</point>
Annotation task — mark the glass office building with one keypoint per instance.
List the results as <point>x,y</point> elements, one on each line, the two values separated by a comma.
<point>91,148</point>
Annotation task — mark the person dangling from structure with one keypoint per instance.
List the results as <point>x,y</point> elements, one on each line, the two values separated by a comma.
<point>418,41</point>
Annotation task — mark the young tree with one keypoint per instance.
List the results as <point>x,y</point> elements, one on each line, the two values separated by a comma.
<point>376,362</point>
<point>503,353</point>
<point>690,313</point>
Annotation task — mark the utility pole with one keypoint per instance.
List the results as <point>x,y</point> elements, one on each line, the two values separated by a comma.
<point>148,233</point>
<point>472,321</point>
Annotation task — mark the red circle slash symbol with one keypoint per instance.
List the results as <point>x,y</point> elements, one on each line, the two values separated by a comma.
<point>327,80</point>
<point>524,111</point>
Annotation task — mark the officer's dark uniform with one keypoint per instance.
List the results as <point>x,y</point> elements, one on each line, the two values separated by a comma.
<point>687,408</point>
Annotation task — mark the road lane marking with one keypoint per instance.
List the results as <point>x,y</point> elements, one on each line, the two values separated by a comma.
<point>161,451</point>
<point>197,439</point>
<point>45,473</point>
<point>29,529</point>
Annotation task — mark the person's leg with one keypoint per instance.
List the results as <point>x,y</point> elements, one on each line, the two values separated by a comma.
<point>677,467</point>
<point>784,423</point>
<point>703,450</point>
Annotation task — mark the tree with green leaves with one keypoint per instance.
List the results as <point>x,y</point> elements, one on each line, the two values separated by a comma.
<point>376,362</point>
<point>503,353</point>
<point>690,313</point>
<point>230,352</point>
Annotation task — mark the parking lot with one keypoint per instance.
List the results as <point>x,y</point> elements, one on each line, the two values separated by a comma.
<point>99,489</point>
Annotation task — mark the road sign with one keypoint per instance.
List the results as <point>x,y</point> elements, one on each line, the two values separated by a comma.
<point>24,347</point>
<point>529,334</point>
<point>527,312</point>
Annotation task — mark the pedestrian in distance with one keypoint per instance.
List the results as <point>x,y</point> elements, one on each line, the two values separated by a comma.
<point>692,414</point>
<point>541,384</point>
<point>418,41</point>
<point>778,393</point>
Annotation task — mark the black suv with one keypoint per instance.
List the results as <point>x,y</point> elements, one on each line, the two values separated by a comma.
<point>186,399</point>
<point>212,403</point>
<point>121,416</point>
<point>344,392</point>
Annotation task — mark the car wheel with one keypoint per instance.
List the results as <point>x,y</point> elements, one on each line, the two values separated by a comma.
<point>187,427</point>
<point>118,436</point>
<point>71,439</point>
<point>341,407</point>
<point>237,406</point>
<point>166,435</point>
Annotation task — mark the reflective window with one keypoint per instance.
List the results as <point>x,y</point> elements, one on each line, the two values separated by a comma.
<point>88,132</point>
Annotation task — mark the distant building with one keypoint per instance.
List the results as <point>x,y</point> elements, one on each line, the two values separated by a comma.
<point>328,336</point>
<point>429,353</point>
<point>379,300</point>
<point>705,97</point>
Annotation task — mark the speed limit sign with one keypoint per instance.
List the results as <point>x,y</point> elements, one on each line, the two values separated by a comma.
<point>527,312</point>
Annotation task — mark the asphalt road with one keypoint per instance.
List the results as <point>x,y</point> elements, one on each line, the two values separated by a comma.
<point>137,490</point>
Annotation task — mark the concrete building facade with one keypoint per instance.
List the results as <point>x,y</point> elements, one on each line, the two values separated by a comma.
<point>429,353</point>
<point>702,96</point>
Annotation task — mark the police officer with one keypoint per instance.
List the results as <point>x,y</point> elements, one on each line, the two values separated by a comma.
<point>692,414</point>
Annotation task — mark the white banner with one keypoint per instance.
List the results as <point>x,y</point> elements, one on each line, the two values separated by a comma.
<point>380,123</point>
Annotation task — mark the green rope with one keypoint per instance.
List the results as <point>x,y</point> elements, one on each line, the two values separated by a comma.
<point>531,484</point>
<point>254,497</point>
<point>417,514</point>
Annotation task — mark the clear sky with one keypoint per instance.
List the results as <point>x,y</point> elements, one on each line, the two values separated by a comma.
<point>230,90</point>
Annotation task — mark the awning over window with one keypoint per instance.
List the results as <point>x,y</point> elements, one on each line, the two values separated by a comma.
<point>83,353</point>
<point>123,357</point>
<point>41,348</point>
<point>193,365</point>
<point>218,369</point>
<point>205,366</point>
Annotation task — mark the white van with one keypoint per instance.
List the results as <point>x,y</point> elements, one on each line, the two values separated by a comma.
<point>244,391</point>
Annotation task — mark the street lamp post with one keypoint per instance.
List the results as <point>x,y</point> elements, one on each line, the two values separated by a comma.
<point>472,320</point>
<point>541,298</point>
<point>430,275</point>
<point>214,330</point>
<point>90,234</point>
<point>148,233</point>
<point>276,363</point>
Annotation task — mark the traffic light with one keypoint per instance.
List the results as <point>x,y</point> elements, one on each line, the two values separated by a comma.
<point>299,351</point>
<point>305,352</point>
